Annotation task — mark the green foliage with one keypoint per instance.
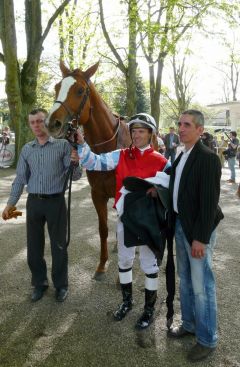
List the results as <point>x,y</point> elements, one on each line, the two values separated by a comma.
<point>120,99</point>
<point>114,92</point>
<point>77,34</point>
<point>45,90</point>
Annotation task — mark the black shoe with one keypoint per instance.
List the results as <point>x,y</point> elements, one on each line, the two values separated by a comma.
<point>145,320</point>
<point>178,332</point>
<point>38,293</point>
<point>199,352</point>
<point>61,294</point>
<point>122,310</point>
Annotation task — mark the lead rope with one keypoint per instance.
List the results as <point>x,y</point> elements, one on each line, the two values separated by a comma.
<point>68,179</point>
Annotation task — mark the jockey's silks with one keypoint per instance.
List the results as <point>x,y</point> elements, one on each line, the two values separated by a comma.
<point>135,163</point>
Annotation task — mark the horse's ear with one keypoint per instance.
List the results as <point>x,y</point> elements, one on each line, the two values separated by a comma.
<point>91,71</point>
<point>65,71</point>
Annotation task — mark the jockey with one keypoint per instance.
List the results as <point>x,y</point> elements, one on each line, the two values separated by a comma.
<point>139,160</point>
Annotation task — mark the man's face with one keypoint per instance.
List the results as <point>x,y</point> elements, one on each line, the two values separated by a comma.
<point>171,131</point>
<point>140,137</point>
<point>189,132</point>
<point>36,123</point>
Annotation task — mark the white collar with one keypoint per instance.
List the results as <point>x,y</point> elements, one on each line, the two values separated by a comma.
<point>145,148</point>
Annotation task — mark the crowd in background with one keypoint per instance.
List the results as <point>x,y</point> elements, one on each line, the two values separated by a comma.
<point>225,145</point>
<point>217,143</point>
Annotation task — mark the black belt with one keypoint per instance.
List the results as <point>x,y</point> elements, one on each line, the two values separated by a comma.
<point>44,196</point>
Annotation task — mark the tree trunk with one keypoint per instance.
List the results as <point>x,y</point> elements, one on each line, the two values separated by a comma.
<point>21,85</point>
<point>151,85</point>
<point>132,64</point>
<point>155,103</point>
<point>8,37</point>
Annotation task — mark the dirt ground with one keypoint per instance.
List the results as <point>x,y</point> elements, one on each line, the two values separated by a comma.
<point>80,332</point>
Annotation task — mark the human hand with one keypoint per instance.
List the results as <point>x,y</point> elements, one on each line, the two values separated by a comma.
<point>6,212</point>
<point>198,249</point>
<point>152,191</point>
<point>79,138</point>
<point>10,212</point>
<point>74,156</point>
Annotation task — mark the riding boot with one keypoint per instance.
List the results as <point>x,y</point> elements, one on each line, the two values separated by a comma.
<point>126,288</point>
<point>151,284</point>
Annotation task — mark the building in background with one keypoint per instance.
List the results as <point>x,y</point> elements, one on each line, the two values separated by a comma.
<point>224,115</point>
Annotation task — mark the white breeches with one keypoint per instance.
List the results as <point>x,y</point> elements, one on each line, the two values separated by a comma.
<point>126,255</point>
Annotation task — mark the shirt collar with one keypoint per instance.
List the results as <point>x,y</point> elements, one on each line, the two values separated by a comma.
<point>145,148</point>
<point>35,141</point>
<point>187,152</point>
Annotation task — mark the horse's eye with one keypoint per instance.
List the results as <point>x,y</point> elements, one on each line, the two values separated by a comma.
<point>80,91</point>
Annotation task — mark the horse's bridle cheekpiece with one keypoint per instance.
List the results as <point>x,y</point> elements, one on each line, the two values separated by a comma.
<point>74,119</point>
<point>76,116</point>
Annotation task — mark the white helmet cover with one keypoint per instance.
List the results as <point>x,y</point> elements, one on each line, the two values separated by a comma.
<point>144,120</point>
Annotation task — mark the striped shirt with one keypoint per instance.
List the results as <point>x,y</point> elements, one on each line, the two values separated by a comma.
<point>42,168</point>
<point>103,161</point>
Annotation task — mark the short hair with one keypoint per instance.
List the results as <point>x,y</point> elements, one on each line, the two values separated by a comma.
<point>37,110</point>
<point>198,116</point>
<point>234,133</point>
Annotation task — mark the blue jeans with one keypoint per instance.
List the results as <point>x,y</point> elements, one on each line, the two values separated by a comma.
<point>197,290</point>
<point>231,165</point>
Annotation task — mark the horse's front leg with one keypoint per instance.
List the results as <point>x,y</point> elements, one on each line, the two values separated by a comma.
<point>100,204</point>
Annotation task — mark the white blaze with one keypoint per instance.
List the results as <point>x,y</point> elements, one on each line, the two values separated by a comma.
<point>62,95</point>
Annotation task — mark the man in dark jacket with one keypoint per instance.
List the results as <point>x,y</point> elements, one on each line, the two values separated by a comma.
<point>195,189</point>
<point>171,142</point>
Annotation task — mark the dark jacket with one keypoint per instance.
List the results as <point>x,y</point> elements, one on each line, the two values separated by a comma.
<point>145,218</point>
<point>198,194</point>
<point>167,141</point>
<point>145,223</point>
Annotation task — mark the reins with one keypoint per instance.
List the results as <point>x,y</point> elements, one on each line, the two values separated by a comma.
<point>68,178</point>
<point>107,141</point>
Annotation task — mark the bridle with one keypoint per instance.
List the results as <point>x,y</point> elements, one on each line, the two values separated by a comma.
<point>76,116</point>
<point>113,137</point>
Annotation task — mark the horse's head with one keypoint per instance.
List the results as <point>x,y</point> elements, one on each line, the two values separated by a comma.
<point>72,100</point>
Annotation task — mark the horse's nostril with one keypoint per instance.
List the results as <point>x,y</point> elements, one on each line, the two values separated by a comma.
<point>58,124</point>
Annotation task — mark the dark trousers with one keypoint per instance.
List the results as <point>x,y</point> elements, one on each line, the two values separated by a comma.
<point>53,212</point>
<point>170,153</point>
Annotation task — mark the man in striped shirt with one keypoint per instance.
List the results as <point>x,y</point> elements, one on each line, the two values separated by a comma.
<point>42,166</point>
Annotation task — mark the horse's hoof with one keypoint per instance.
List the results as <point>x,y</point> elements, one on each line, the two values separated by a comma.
<point>99,276</point>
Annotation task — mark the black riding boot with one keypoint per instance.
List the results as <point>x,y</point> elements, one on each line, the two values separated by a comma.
<point>126,306</point>
<point>147,316</point>
<point>150,299</point>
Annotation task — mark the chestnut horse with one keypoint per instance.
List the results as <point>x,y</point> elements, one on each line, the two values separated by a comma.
<point>77,99</point>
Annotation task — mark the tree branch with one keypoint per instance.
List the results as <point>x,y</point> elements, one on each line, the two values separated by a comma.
<point>119,63</point>
<point>53,18</point>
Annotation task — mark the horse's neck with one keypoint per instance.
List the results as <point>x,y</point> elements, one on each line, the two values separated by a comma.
<point>101,126</point>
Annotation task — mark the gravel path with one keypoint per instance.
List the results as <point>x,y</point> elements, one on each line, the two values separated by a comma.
<point>80,332</point>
